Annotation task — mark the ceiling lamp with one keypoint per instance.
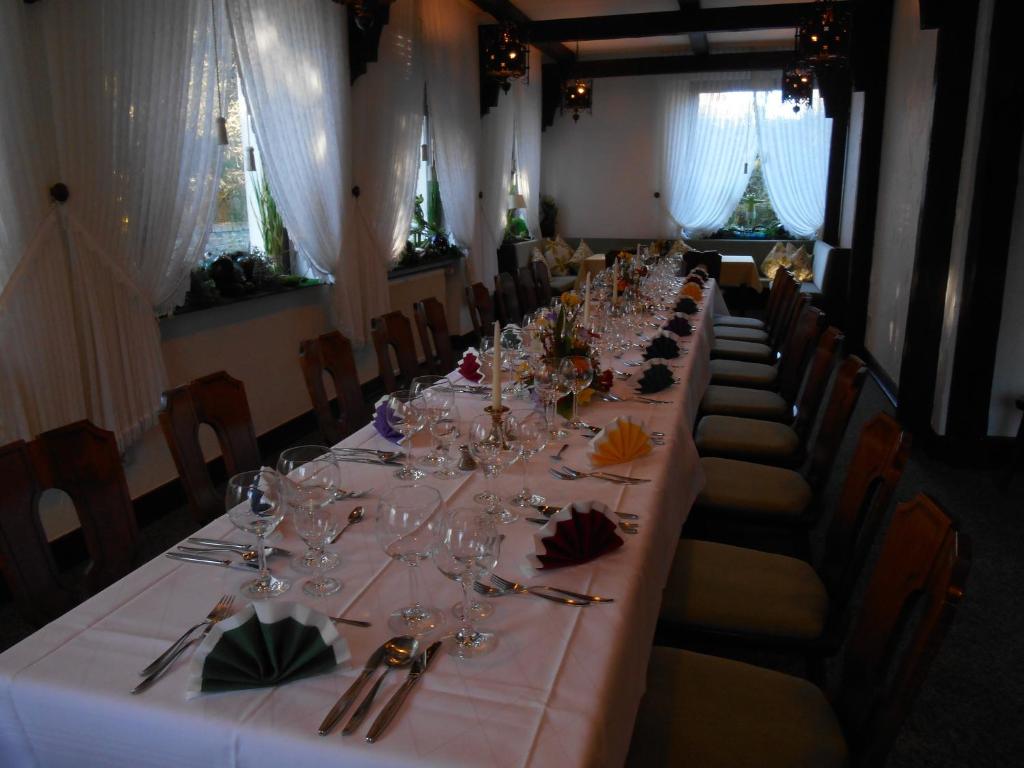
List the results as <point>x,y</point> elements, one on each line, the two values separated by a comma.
<point>578,96</point>
<point>797,85</point>
<point>365,11</point>
<point>823,38</point>
<point>506,55</point>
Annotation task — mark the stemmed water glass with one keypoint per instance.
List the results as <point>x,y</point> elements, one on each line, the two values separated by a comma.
<point>322,477</point>
<point>578,372</point>
<point>494,452</point>
<point>436,398</point>
<point>532,434</point>
<point>446,431</point>
<point>254,504</point>
<point>551,387</point>
<point>409,521</point>
<point>469,549</point>
<point>317,519</point>
<point>405,415</point>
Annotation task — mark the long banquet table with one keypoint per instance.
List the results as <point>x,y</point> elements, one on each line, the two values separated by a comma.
<point>562,687</point>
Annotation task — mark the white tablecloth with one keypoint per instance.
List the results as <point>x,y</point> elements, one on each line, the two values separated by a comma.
<point>561,689</point>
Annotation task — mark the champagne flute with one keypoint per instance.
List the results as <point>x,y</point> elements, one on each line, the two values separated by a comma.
<point>254,504</point>
<point>551,387</point>
<point>290,466</point>
<point>578,372</point>
<point>446,431</point>
<point>405,415</point>
<point>312,495</point>
<point>532,434</point>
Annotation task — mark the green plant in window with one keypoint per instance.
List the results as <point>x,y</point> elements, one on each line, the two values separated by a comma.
<point>271,224</point>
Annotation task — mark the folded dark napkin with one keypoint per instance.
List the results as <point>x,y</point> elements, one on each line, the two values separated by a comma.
<point>579,533</point>
<point>655,378</point>
<point>687,306</point>
<point>679,325</point>
<point>693,277</point>
<point>662,347</point>
<point>382,425</point>
<point>701,272</point>
<point>266,644</point>
<point>469,366</point>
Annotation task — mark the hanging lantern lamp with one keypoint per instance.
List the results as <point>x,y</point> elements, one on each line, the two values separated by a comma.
<point>506,55</point>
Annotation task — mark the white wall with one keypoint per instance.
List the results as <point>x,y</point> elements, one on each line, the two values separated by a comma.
<point>1008,381</point>
<point>908,118</point>
<point>602,170</point>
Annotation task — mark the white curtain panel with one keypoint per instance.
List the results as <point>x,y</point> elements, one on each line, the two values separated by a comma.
<point>387,116</point>
<point>131,95</point>
<point>708,143</point>
<point>794,160</point>
<point>528,139</point>
<point>452,70</point>
<point>497,135</point>
<point>293,61</point>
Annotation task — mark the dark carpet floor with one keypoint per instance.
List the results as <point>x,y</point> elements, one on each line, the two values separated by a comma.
<point>968,712</point>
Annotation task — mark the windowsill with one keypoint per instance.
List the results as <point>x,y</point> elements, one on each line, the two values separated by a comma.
<point>430,266</point>
<point>230,302</point>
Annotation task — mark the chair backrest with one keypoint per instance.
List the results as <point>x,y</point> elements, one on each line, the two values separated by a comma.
<point>781,285</point>
<point>507,299</point>
<point>331,353</point>
<point>219,401</point>
<point>790,303</point>
<point>481,308</point>
<point>798,348</point>
<point>393,332</point>
<point>710,259</point>
<point>432,326</point>
<point>871,478</point>
<point>908,607</point>
<point>83,461</point>
<point>542,280</point>
<point>816,381</point>
<point>527,291</point>
<point>846,389</point>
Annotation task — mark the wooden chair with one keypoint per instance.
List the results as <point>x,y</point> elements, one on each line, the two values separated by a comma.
<point>331,354</point>
<point>717,593</point>
<point>83,461</point>
<point>393,332</point>
<point>707,711</point>
<point>219,401</point>
<point>526,290</point>
<point>432,326</point>
<point>481,308</point>
<point>782,289</point>
<point>710,259</point>
<point>506,298</point>
<point>542,280</point>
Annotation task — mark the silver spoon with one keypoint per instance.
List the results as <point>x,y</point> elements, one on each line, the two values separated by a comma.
<point>355,516</point>
<point>558,456</point>
<point>398,652</point>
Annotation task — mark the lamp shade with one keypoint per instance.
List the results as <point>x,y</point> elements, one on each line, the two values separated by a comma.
<point>516,201</point>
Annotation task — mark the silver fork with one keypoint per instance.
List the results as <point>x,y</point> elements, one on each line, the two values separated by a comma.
<point>603,474</point>
<point>525,590</point>
<point>486,589</point>
<point>566,476</point>
<point>223,604</point>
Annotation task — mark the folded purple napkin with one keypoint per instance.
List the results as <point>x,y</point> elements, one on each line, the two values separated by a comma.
<point>383,426</point>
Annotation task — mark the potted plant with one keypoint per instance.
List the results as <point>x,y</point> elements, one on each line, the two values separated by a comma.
<point>548,216</point>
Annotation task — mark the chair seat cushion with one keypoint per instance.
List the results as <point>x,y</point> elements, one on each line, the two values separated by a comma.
<point>723,588</point>
<point>742,373</point>
<point>755,335</point>
<point>739,322</point>
<point>755,439</point>
<point>742,350</point>
<point>753,490</point>
<point>707,711</point>
<point>744,401</point>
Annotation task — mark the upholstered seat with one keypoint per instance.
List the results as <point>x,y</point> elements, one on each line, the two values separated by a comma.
<point>739,322</point>
<point>736,590</point>
<point>754,335</point>
<point>742,373</point>
<point>746,438</point>
<point>704,711</point>
<point>747,402</point>
<point>742,350</point>
<point>754,490</point>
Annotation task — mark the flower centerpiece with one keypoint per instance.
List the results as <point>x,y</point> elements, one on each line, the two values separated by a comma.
<point>563,335</point>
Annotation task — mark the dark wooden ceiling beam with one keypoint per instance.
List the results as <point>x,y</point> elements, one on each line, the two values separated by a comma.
<point>698,40</point>
<point>503,10</point>
<point>668,22</point>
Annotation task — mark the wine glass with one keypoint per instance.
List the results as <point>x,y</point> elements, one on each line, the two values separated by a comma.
<point>551,387</point>
<point>436,397</point>
<point>254,504</point>
<point>446,431</point>
<point>494,450</point>
<point>469,549</point>
<point>405,415</point>
<point>290,465</point>
<point>531,433</point>
<point>409,520</point>
<point>578,372</point>
<point>312,496</point>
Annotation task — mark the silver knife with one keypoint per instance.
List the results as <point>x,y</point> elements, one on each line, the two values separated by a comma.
<point>211,561</point>
<point>231,546</point>
<point>348,697</point>
<point>419,666</point>
<point>370,460</point>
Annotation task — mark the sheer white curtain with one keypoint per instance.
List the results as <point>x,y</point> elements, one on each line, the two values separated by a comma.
<point>496,140</point>
<point>387,118</point>
<point>132,104</point>
<point>708,145</point>
<point>293,59</point>
<point>452,71</point>
<point>528,137</point>
<point>794,160</point>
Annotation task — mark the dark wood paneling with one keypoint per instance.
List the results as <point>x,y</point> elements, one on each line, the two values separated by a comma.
<point>836,172</point>
<point>698,40</point>
<point>503,10</point>
<point>953,64</point>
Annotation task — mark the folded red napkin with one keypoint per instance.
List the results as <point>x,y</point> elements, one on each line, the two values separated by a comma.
<point>469,366</point>
<point>579,533</point>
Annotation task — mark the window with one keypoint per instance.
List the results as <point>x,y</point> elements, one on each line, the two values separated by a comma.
<point>230,231</point>
<point>516,229</point>
<point>754,217</point>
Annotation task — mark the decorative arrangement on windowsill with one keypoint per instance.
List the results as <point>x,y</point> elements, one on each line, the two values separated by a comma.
<point>565,333</point>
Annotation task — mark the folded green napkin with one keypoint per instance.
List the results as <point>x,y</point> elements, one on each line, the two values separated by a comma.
<point>266,644</point>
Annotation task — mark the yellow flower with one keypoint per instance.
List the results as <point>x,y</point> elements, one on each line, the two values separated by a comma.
<point>570,299</point>
<point>585,395</point>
